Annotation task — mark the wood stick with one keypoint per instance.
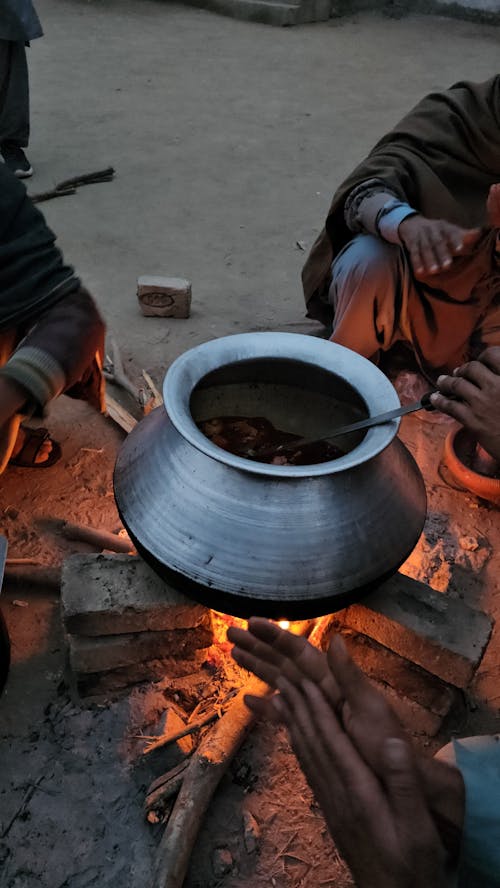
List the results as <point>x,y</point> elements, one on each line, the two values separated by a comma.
<point>206,767</point>
<point>117,373</point>
<point>88,179</point>
<point>69,186</point>
<point>173,738</point>
<point>165,788</point>
<point>13,561</point>
<point>103,539</point>
<point>157,396</point>
<point>190,728</point>
<point>118,414</point>
<point>54,192</point>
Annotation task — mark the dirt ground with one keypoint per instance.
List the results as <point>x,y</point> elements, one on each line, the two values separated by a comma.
<point>228,139</point>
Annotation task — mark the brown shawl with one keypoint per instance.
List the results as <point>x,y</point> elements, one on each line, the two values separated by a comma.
<point>442,158</point>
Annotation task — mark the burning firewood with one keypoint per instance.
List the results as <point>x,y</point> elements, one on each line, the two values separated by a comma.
<point>198,778</point>
<point>191,728</point>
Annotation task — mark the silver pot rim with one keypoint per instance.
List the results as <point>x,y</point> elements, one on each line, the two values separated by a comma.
<point>187,371</point>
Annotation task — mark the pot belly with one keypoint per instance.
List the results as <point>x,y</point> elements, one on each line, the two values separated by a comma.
<point>250,544</point>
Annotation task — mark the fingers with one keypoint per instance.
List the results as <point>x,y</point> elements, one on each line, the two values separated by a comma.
<point>295,710</point>
<point>363,703</point>
<point>456,409</point>
<point>462,387</point>
<point>490,357</point>
<point>254,662</point>
<point>263,707</point>
<point>351,681</point>
<point>325,732</point>
<point>269,651</point>
<point>470,238</point>
<point>463,390</point>
<point>433,243</point>
<point>424,256</point>
<point>458,392</point>
<point>493,206</point>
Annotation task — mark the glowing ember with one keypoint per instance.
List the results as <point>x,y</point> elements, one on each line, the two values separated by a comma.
<point>284,624</point>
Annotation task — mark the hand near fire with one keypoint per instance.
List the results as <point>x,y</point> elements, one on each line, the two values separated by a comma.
<point>271,652</point>
<point>367,720</point>
<point>471,395</point>
<point>382,827</point>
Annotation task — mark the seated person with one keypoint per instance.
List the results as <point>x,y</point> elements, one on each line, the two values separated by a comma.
<point>51,333</point>
<point>409,251</point>
<point>400,819</point>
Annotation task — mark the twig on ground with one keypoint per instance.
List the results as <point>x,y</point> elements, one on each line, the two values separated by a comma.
<point>114,372</point>
<point>157,396</point>
<point>94,536</point>
<point>54,192</point>
<point>70,186</point>
<point>118,414</point>
<point>22,807</point>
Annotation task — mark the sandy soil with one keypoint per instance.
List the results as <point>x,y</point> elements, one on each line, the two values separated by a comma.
<point>228,140</point>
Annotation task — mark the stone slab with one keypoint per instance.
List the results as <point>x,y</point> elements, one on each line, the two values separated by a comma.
<point>443,635</point>
<point>115,594</point>
<point>103,653</point>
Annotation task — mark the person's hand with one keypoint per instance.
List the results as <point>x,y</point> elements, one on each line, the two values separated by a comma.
<point>382,827</point>
<point>434,243</point>
<point>271,652</point>
<point>475,386</point>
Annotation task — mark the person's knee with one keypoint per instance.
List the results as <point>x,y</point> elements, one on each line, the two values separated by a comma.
<point>365,259</point>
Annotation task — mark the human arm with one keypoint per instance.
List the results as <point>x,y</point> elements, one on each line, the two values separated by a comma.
<point>471,395</point>
<point>432,244</point>
<point>57,349</point>
<point>12,399</point>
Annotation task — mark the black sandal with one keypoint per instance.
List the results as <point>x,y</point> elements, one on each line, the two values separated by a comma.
<point>34,440</point>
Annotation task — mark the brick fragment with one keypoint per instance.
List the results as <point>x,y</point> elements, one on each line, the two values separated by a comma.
<point>164,297</point>
<point>443,635</point>
<point>115,594</point>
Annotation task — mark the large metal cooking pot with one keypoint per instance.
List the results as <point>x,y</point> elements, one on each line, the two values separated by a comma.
<point>249,538</point>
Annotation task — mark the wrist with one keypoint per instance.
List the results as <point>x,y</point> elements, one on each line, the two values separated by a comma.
<point>390,217</point>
